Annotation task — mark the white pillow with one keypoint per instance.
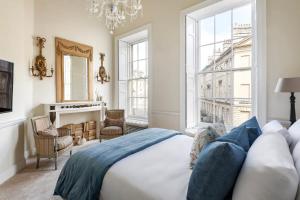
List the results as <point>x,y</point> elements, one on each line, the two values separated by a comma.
<point>272,126</point>
<point>203,137</point>
<point>286,134</point>
<point>294,131</point>
<point>275,126</point>
<point>296,156</point>
<point>268,171</point>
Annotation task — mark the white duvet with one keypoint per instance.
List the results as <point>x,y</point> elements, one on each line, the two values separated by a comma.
<point>160,172</point>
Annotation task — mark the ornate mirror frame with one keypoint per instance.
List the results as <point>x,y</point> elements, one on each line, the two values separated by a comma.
<point>67,47</point>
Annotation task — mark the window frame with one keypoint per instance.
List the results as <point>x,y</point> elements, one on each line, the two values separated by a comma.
<point>123,37</point>
<point>131,78</point>
<point>259,53</point>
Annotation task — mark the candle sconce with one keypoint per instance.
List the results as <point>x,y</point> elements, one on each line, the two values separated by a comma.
<point>39,69</point>
<point>102,76</point>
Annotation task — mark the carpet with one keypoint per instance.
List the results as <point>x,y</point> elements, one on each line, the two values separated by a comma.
<point>37,184</point>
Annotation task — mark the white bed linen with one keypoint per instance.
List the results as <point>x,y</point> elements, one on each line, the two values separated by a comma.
<point>160,172</point>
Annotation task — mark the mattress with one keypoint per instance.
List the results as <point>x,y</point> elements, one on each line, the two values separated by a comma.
<point>160,172</point>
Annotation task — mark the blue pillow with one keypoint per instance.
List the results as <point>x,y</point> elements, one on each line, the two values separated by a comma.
<point>254,129</point>
<point>238,136</point>
<point>216,171</point>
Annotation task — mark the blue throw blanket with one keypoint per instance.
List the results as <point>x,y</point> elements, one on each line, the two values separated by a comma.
<point>83,174</point>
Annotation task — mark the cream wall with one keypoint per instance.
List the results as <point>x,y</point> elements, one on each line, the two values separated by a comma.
<point>164,17</point>
<point>69,19</point>
<point>16,22</point>
<point>20,20</point>
<point>283,59</point>
<point>283,53</point>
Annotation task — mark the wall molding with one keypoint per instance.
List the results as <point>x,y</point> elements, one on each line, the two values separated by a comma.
<point>11,171</point>
<point>165,113</point>
<point>12,122</point>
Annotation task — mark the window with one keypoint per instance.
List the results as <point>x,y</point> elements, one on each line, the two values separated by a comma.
<point>133,78</point>
<point>219,65</point>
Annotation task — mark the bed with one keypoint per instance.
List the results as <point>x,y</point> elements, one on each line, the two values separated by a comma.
<point>154,164</point>
<point>158,171</point>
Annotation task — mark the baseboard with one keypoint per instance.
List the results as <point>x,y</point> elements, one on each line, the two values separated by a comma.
<point>7,174</point>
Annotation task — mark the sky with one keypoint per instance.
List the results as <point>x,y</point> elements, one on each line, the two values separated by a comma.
<point>241,15</point>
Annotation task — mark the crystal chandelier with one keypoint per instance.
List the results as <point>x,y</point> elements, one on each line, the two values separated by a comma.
<point>115,11</point>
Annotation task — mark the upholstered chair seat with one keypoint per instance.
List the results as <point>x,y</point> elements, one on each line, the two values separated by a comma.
<point>63,142</point>
<point>112,130</point>
<point>114,124</point>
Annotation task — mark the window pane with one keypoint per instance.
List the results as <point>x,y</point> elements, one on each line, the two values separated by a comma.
<point>242,21</point>
<point>206,110</point>
<point>223,111</point>
<point>135,52</point>
<point>207,31</point>
<point>138,107</point>
<point>222,82</point>
<point>141,86</point>
<point>243,53</point>
<point>242,84</point>
<point>142,69</point>
<point>132,88</point>
<point>142,51</point>
<point>135,71</point>
<point>241,111</point>
<point>223,55</point>
<point>205,87</point>
<point>206,58</point>
<point>223,26</point>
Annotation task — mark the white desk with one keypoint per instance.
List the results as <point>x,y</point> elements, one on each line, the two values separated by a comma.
<point>60,109</point>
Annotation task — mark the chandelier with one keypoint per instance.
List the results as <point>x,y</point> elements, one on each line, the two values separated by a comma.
<point>115,11</point>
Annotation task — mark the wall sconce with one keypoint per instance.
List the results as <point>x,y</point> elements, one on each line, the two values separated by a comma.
<point>102,76</point>
<point>39,69</point>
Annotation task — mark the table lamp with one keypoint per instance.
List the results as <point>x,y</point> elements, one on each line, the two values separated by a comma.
<point>290,85</point>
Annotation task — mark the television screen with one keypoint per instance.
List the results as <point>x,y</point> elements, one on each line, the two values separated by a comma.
<point>6,86</point>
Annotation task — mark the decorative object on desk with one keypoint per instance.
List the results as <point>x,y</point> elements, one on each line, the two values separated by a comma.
<point>52,118</point>
<point>102,75</point>
<point>115,11</point>
<point>39,69</point>
<point>291,85</point>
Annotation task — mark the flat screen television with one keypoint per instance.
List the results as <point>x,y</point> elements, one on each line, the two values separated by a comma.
<point>6,86</point>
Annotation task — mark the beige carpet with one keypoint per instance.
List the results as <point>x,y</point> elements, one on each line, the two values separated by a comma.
<point>36,184</point>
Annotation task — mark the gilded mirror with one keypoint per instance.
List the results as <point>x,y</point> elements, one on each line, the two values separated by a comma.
<point>74,71</point>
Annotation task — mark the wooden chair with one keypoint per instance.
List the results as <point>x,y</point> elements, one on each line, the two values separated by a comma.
<point>50,142</point>
<point>114,124</point>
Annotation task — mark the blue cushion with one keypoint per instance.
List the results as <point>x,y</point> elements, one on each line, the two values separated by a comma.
<point>254,129</point>
<point>238,136</point>
<point>215,172</point>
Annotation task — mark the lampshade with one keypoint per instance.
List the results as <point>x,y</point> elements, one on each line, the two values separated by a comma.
<point>288,85</point>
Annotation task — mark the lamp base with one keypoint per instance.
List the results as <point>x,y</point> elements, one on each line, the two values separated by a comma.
<point>293,110</point>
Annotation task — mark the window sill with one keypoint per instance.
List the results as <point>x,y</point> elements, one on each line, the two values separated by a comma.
<point>142,123</point>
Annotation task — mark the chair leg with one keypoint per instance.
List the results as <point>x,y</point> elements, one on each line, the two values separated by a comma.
<point>55,161</point>
<point>37,161</point>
